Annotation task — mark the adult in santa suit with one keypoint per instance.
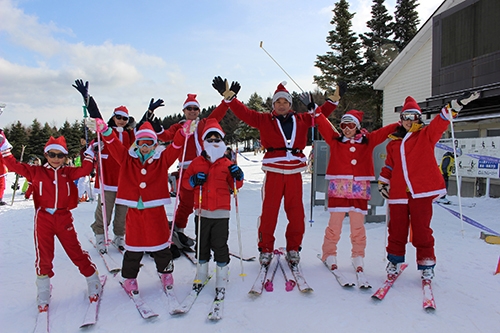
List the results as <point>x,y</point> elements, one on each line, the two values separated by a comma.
<point>283,133</point>
<point>413,176</point>
<point>143,188</point>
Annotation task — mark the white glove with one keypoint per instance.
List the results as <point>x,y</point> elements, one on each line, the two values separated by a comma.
<point>458,104</point>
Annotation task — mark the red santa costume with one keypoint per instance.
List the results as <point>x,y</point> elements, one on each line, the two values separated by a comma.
<point>412,172</point>
<point>194,147</point>
<point>3,177</point>
<point>54,196</point>
<point>284,137</point>
<point>143,188</point>
<point>216,197</point>
<point>111,173</point>
<point>350,170</point>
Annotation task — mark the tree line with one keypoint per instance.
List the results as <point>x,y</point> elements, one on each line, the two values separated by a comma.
<point>357,59</point>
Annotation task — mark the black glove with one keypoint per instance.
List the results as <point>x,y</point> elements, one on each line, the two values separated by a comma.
<point>156,123</point>
<point>235,87</point>
<point>93,109</point>
<point>307,99</point>
<point>154,105</point>
<point>82,88</point>
<point>219,84</point>
<point>198,179</point>
<point>340,90</point>
<point>383,188</point>
<point>236,172</point>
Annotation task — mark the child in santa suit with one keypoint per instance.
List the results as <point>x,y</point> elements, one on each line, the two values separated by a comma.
<point>349,172</point>
<point>143,188</point>
<point>283,133</point>
<point>55,195</point>
<point>194,147</point>
<point>3,175</point>
<point>413,176</point>
<point>216,177</point>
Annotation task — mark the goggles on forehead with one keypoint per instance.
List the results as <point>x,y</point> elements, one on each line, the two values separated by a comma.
<point>148,143</point>
<point>349,125</point>
<point>409,116</point>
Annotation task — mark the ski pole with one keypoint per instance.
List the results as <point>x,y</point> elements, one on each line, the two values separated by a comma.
<point>238,228</point>
<point>179,185</point>
<point>263,49</point>
<point>458,183</point>
<point>197,279</point>
<point>103,197</point>
<point>16,182</point>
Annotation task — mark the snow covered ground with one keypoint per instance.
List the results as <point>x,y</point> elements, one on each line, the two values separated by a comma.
<point>465,287</point>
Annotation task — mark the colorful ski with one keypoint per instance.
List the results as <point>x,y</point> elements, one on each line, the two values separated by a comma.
<point>188,302</point>
<point>111,265</point>
<point>144,309</point>
<point>428,300</point>
<point>341,279</point>
<point>93,308</point>
<point>217,305</point>
<point>258,285</point>
<point>42,319</point>
<point>382,291</point>
<point>298,276</point>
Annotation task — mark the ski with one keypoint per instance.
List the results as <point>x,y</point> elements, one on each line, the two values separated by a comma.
<point>111,265</point>
<point>144,309</point>
<point>217,305</point>
<point>173,303</point>
<point>362,281</point>
<point>273,267</point>
<point>298,276</point>
<point>428,300</point>
<point>42,319</point>
<point>188,302</point>
<point>93,308</point>
<point>289,282</point>
<point>341,279</point>
<point>382,291</point>
<point>258,285</point>
<point>190,255</point>
<point>242,258</point>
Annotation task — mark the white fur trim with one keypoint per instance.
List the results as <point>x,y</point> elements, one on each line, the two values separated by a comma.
<point>55,146</point>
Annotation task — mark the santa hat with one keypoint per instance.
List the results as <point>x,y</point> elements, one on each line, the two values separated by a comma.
<point>191,100</point>
<point>212,125</point>
<point>353,116</point>
<point>411,106</point>
<point>58,144</point>
<point>145,132</point>
<point>281,92</point>
<point>122,111</point>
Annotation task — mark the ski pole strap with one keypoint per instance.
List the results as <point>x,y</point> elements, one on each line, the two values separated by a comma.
<point>294,151</point>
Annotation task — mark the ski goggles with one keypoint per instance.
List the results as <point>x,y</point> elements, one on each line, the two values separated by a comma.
<point>120,117</point>
<point>147,143</point>
<point>348,125</point>
<point>51,154</point>
<point>409,116</point>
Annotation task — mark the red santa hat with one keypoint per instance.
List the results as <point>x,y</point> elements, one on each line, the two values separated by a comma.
<point>122,111</point>
<point>411,106</point>
<point>353,116</point>
<point>281,92</point>
<point>58,144</point>
<point>191,100</point>
<point>145,132</point>
<point>212,125</point>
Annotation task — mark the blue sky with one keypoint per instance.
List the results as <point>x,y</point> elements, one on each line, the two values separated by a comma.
<point>132,51</point>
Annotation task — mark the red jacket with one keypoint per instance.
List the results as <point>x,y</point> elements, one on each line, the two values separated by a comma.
<point>52,188</point>
<point>195,142</point>
<point>272,138</point>
<point>351,159</point>
<point>110,166</point>
<point>148,181</point>
<point>411,166</point>
<point>216,191</point>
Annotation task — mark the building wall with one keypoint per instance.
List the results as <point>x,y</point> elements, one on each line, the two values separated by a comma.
<point>414,80</point>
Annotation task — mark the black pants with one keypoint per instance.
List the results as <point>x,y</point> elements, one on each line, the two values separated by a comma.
<point>132,262</point>
<point>214,236</point>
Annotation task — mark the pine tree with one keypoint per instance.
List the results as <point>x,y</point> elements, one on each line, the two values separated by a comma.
<point>406,22</point>
<point>18,137</point>
<point>72,138</point>
<point>379,52</point>
<point>343,63</point>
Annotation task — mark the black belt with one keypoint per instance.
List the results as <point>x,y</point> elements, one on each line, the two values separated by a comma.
<point>293,150</point>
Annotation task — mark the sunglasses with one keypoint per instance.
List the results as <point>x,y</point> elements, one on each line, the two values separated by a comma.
<point>189,108</point>
<point>54,155</point>
<point>409,116</point>
<point>348,125</point>
<point>213,140</point>
<point>119,117</point>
